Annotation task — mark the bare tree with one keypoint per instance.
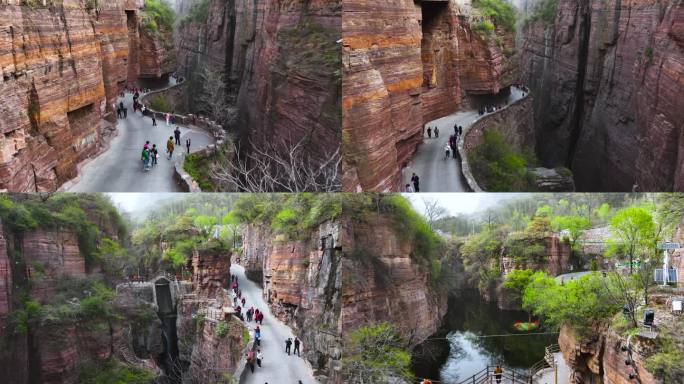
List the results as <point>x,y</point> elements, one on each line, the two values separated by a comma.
<point>214,97</point>
<point>433,211</point>
<point>278,167</point>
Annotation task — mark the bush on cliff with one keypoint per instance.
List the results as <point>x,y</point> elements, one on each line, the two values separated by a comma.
<point>113,372</point>
<point>375,353</point>
<point>502,11</point>
<point>158,15</point>
<point>580,303</point>
<point>497,167</point>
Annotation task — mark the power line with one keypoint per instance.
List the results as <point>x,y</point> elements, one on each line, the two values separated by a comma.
<point>500,335</point>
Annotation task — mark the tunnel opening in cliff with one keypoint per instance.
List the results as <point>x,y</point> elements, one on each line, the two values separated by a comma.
<point>433,16</point>
<point>166,310</point>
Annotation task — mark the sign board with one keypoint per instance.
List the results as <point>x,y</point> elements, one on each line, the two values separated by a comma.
<point>668,245</point>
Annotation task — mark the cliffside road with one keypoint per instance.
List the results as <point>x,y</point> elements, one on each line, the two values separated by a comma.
<point>119,169</point>
<point>277,367</point>
<point>436,173</point>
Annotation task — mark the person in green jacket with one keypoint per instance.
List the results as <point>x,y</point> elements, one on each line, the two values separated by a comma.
<point>146,159</point>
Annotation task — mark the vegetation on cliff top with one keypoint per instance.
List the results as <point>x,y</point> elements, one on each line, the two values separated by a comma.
<point>166,239</point>
<point>499,168</point>
<point>544,11</point>
<point>292,215</point>
<point>502,11</point>
<point>157,15</point>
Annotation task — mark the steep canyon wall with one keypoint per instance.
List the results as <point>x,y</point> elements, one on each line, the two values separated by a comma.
<point>406,63</point>
<point>280,60</point>
<point>383,283</point>
<point>607,83</point>
<point>62,66</point>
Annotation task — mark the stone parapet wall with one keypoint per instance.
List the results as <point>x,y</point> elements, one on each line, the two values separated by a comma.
<point>515,122</point>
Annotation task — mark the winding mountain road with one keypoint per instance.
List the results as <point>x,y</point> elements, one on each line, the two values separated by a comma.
<point>436,173</point>
<point>277,367</point>
<point>119,168</point>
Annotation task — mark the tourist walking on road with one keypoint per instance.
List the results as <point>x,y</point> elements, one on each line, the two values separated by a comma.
<point>169,147</point>
<point>455,129</point>
<point>176,134</point>
<point>288,344</point>
<point>125,111</point>
<point>187,144</point>
<point>259,357</point>
<point>436,132</point>
<point>408,188</point>
<point>460,130</point>
<point>145,157</point>
<point>416,182</point>
<point>250,360</point>
<point>498,372</point>
<point>429,132</point>
<point>154,120</point>
<point>447,149</point>
<point>296,343</point>
<point>168,118</point>
<point>155,154</point>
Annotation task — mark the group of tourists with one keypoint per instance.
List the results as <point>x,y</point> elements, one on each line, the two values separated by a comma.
<point>450,147</point>
<point>288,345</point>
<point>415,180</point>
<point>430,130</point>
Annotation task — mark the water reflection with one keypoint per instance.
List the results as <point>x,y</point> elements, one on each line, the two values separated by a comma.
<point>458,350</point>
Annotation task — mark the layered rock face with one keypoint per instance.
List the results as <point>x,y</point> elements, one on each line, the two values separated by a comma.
<point>556,259</point>
<point>62,65</point>
<point>281,63</point>
<point>608,89</point>
<point>303,285</point>
<point>406,63</point>
<point>383,283</point>
<point>602,359</point>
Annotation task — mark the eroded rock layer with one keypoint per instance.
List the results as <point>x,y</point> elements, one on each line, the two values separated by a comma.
<point>608,86</point>
<point>406,63</point>
<point>383,283</point>
<point>62,65</point>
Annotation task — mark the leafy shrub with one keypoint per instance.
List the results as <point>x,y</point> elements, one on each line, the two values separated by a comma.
<point>221,329</point>
<point>198,167</point>
<point>668,363</point>
<point>161,104</point>
<point>500,10</point>
<point>484,26</point>
<point>497,167</point>
<point>113,372</point>
<point>158,14</point>
<point>374,353</point>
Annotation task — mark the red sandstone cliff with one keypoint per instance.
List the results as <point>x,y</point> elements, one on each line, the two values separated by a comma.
<point>302,283</point>
<point>62,65</point>
<point>602,359</point>
<point>406,63</point>
<point>281,63</point>
<point>607,83</point>
<point>383,283</point>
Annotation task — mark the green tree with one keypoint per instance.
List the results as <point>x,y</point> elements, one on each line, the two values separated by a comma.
<point>375,353</point>
<point>232,224</point>
<point>205,223</point>
<point>577,303</point>
<point>575,225</point>
<point>517,280</point>
<point>634,227</point>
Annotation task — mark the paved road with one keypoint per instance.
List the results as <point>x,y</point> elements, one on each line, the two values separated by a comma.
<point>436,173</point>
<point>549,376</point>
<point>277,366</point>
<point>119,169</point>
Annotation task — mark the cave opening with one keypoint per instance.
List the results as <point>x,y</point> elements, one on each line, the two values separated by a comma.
<point>433,13</point>
<point>166,310</point>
